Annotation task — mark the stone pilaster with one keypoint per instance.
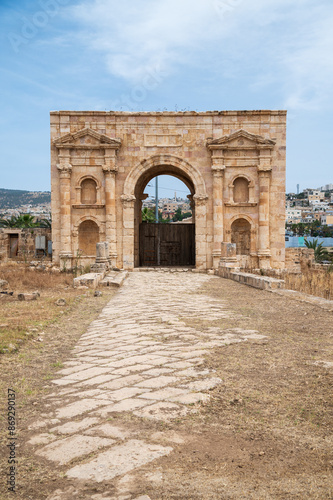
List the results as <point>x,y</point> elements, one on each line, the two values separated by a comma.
<point>128,202</point>
<point>201,230</point>
<point>218,181</point>
<point>264,176</point>
<point>65,169</point>
<point>110,171</point>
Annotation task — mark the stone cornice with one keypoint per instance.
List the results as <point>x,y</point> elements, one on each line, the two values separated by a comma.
<point>82,206</point>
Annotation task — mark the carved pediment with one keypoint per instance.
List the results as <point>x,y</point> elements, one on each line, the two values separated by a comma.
<point>86,139</point>
<point>240,140</point>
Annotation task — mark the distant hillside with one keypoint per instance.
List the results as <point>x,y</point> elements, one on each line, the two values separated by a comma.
<point>12,198</point>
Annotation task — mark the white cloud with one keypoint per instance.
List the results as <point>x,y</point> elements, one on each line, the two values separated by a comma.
<point>283,45</point>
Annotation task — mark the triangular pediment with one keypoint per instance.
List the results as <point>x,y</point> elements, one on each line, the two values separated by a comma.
<point>86,139</point>
<point>241,139</point>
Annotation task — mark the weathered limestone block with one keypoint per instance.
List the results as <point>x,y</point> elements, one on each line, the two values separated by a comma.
<point>91,280</point>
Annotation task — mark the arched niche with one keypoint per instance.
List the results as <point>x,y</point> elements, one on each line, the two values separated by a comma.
<point>241,236</point>
<point>241,190</point>
<point>88,234</point>
<point>88,191</point>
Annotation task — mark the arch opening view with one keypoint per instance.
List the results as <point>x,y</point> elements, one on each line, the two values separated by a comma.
<point>164,223</point>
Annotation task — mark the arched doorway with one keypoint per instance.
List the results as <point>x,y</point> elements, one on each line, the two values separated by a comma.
<point>241,235</point>
<point>166,235</point>
<point>134,194</point>
<point>88,237</point>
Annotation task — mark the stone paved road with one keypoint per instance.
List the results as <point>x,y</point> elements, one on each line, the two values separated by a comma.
<point>138,356</point>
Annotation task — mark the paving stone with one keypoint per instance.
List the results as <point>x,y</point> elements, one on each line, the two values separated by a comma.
<point>192,372</point>
<point>156,372</point>
<point>126,392</point>
<point>62,381</point>
<point>79,407</point>
<point>125,405</point>
<point>74,369</point>
<point>38,424</point>
<point>204,385</point>
<point>85,374</point>
<point>179,365</point>
<point>193,354</point>
<point>98,380</point>
<point>107,430</point>
<point>193,397</point>
<point>122,382</point>
<point>157,382</point>
<point>131,369</point>
<point>65,450</point>
<point>118,461</point>
<point>161,411</point>
<point>82,394</point>
<point>166,393</point>
<point>42,439</point>
<point>72,427</point>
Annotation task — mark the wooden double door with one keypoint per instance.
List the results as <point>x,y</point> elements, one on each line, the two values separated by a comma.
<point>167,244</point>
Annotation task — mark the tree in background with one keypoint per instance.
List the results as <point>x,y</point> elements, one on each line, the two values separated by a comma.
<point>148,215</point>
<point>24,221</point>
<point>319,251</point>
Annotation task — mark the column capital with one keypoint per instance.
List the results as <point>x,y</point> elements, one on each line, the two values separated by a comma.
<point>110,169</point>
<point>128,199</point>
<point>264,170</point>
<point>218,170</point>
<point>200,199</point>
<point>110,162</point>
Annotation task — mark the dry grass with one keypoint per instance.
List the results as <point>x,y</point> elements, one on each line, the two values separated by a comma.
<point>313,281</point>
<point>24,320</point>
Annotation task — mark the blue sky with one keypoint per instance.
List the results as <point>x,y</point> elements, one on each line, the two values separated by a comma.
<point>165,54</point>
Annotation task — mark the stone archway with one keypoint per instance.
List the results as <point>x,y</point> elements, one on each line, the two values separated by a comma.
<point>88,233</point>
<point>132,199</point>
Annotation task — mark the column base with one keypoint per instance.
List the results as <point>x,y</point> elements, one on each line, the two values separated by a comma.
<point>216,256</point>
<point>113,259</point>
<point>264,259</point>
<point>66,261</point>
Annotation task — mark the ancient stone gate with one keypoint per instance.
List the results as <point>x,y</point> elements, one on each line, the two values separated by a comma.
<point>233,163</point>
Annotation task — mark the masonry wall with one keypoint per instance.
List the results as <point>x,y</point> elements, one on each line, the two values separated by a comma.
<point>26,243</point>
<point>179,141</point>
<point>299,259</point>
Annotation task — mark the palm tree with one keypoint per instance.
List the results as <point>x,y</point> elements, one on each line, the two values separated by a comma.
<point>25,220</point>
<point>9,222</point>
<point>44,223</point>
<point>319,252</point>
<point>22,221</point>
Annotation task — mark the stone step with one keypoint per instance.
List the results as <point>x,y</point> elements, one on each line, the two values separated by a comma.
<point>114,278</point>
<point>262,282</point>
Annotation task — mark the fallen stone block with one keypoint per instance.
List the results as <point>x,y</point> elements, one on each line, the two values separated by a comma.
<point>90,280</point>
<point>3,284</point>
<point>28,296</point>
<point>115,279</point>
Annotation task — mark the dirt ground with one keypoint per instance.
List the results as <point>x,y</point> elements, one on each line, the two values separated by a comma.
<point>266,432</point>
